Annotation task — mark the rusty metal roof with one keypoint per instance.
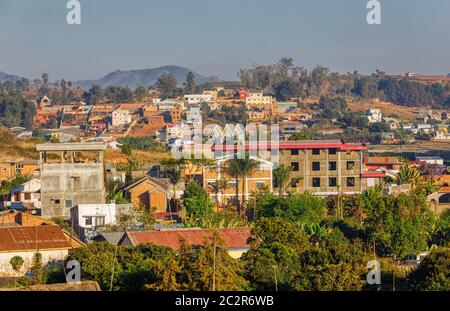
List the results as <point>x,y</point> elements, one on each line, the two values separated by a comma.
<point>234,238</point>
<point>32,238</point>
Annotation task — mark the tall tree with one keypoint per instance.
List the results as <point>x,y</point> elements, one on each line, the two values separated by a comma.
<point>166,85</point>
<point>281,178</point>
<point>190,85</point>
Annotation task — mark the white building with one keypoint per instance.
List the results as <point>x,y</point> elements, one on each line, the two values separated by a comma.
<point>374,115</point>
<point>25,241</point>
<point>441,135</point>
<point>195,99</point>
<point>87,218</point>
<point>259,100</point>
<point>194,115</point>
<point>120,118</point>
<point>169,104</point>
<point>26,196</point>
<point>431,160</point>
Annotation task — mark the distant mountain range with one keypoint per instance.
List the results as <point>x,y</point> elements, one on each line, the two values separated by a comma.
<point>143,77</point>
<point>8,77</point>
<point>132,78</point>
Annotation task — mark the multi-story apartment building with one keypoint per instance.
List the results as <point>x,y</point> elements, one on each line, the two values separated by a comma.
<point>324,167</point>
<point>259,101</point>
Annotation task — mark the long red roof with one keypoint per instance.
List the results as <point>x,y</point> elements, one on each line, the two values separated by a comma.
<point>234,238</point>
<point>30,238</point>
<point>302,144</point>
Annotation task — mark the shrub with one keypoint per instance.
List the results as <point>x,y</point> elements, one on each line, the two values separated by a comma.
<point>16,262</point>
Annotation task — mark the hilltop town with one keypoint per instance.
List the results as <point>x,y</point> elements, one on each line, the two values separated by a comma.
<point>357,169</point>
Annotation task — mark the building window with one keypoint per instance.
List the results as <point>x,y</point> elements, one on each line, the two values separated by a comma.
<point>88,221</point>
<point>332,151</point>
<point>56,201</point>
<point>27,196</point>
<point>350,181</point>
<point>332,182</point>
<point>316,166</point>
<point>260,185</point>
<point>294,152</point>
<point>294,166</point>
<point>316,182</point>
<point>294,182</point>
<point>69,203</point>
<point>350,165</point>
<point>316,151</point>
<point>332,166</point>
<point>100,221</point>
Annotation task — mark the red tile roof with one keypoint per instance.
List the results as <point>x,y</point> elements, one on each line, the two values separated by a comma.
<point>234,238</point>
<point>382,160</point>
<point>32,238</point>
<point>444,189</point>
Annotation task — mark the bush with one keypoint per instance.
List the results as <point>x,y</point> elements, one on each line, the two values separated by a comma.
<point>16,262</point>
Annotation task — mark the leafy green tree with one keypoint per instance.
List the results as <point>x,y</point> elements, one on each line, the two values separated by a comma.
<point>196,201</point>
<point>16,262</point>
<point>299,136</point>
<point>139,93</point>
<point>94,95</point>
<point>166,85</point>
<point>37,269</point>
<point>399,224</point>
<point>190,85</point>
<point>166,275</point>
<point>215,269</point>
<point>305,208</point>
<point>286,89</point>
<point>408,175</point>
<point>433,273</point>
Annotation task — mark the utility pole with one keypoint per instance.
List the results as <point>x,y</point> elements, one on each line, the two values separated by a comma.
<point>275,275</point>
<point>112,274</point>
<point>214,267</point>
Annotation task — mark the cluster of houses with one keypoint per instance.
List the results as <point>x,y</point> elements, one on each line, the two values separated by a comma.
<point>70,179</point>
<point>153,116</point>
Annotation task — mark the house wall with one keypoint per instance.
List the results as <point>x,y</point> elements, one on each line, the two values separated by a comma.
<point>71,184</point>
<point>7,170</point>
<point>6,269</point>
<point>143,194</point>
<point>80,212</point>
<point>262,177</point>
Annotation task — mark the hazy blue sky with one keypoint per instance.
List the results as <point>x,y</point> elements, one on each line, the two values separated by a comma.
<point>220,37</point>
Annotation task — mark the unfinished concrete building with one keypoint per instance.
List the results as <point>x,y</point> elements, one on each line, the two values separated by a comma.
<point>71,174</point>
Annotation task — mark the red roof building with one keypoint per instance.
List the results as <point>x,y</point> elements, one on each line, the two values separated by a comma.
<point>32,238</point>
<point>235,239</point>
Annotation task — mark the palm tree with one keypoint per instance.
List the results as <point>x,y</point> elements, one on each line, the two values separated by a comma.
<point>240,169</point>
<point>408,175</point>
<point>219,187</point>
<point>174,175</point>
<point>281,177</point>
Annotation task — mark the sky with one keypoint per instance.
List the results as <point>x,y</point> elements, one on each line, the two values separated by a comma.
<point>217,37</point>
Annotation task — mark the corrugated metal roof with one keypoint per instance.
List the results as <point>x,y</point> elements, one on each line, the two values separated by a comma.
<point>32,238</point>
<point>234,238</point>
